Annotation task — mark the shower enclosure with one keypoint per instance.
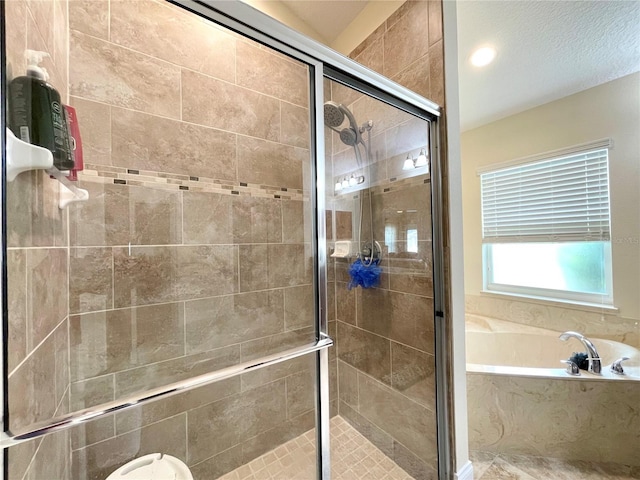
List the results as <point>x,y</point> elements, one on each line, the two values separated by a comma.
<point>184,294</point>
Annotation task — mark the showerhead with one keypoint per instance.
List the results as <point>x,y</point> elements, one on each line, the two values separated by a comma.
<point>333,114</point>
<point>349,136</point>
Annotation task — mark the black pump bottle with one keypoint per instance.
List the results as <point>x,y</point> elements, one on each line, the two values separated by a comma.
<point>36,113</point>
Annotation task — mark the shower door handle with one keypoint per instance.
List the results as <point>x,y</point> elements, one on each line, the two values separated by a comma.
<point>8,439</point>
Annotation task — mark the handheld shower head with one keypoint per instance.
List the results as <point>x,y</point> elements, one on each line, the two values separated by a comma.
<point>349,136</point>
<point>333,114</point>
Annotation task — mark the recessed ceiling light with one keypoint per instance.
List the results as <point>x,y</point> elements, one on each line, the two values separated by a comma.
<point>483,56</point>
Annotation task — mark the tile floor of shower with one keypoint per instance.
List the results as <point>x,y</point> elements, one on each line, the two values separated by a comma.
<point>352,457</point>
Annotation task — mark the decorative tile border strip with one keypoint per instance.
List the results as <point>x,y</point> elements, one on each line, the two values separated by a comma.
<point>394,184</point>
<point>390,185</point>
<point>172,181</point>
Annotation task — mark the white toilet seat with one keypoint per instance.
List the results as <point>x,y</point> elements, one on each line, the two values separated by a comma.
<point>154,466</point>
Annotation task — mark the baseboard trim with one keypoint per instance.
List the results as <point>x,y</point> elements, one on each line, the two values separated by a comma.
<point>466,472</point>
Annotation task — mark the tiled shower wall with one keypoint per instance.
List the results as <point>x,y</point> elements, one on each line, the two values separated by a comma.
<point>37,262</point>
<point>386,335</point>
<point>193,252</point>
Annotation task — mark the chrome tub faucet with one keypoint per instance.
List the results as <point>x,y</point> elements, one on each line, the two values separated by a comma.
<point>595,365</point>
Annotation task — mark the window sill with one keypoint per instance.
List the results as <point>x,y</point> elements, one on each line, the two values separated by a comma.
<point>583,306</point>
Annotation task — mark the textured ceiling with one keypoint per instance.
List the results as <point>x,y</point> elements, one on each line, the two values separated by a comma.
<point>546,50</point>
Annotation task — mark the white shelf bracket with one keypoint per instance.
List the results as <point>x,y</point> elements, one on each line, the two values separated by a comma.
<point>23,156</point>
<point>71,194</point>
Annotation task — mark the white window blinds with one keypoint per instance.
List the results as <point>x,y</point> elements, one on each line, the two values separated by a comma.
<point>558,199</point>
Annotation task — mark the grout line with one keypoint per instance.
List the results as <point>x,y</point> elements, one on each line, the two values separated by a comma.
<point>186,435</point>
<point>84,447</point>
<point>173,245</point>
<point>183,67</point>
<point>235,60</point>
<point>391,364</point>
<point>266,290</point>
<point>184,327</point>
<point>357,387</point>
<point>237,253</point>
<point>69,360</point>
<point>67,390</point>
<point>52,247</point>
<point>182,235</point>
<point>36,348</point>
<point>143,112</point>
<point>389,387</point>
<point>280,122</point>
<point>113,280</point>
<point>386,338</point>
<point>286,399</point>
<point>33,457</point>
<point>28,316</point>
<point>237,158</point>
<point>197,353</point>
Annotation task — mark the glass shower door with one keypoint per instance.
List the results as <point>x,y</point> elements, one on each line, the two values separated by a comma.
<point>381,283</point>
<point>192,253</point>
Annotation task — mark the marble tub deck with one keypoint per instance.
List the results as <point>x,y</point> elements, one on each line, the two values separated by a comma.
<point>491,466</point>
<point>353,457</point>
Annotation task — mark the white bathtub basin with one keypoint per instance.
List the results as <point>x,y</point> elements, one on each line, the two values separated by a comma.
<point>495,346</point>
<point>532,350</point>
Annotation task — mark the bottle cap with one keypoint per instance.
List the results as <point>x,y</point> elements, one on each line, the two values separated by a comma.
<point>34,58</point>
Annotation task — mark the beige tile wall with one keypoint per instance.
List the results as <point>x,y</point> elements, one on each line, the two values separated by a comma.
<point>149,98</point>
<point>598,324</point>
<point>571,419</point>
<point>386,368</point>
<point>193,252</point>
<point>37,263</point>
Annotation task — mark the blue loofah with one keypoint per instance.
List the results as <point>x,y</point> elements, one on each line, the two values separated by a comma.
<point>365,276</point>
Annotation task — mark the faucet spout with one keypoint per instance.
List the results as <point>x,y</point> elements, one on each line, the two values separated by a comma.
<point>595,365</point>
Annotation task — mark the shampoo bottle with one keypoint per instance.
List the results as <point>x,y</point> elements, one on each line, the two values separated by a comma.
<point>36,113</point>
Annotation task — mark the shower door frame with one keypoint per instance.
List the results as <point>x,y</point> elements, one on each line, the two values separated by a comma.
<point>322,63</point>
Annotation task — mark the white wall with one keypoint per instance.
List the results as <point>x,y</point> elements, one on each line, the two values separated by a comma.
<point>370,18</point>
<point>450,33</point>
<point>279,11</point>
<point>611,110</point>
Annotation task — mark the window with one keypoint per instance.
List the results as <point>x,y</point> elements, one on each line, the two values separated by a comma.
<point>546,228</point>
<point>412,240</point>
<point>390,237</point>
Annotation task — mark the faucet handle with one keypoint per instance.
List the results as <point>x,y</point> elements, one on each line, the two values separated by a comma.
<point>616,367</point>
<point>572,367</point>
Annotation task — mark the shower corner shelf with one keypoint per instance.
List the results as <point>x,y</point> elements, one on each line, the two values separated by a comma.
<point>23,156</point>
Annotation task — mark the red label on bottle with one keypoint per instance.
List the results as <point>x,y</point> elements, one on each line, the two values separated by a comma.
<point>76,142</point>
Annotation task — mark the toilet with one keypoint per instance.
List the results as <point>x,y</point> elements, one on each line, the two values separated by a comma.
<point>155,466</point>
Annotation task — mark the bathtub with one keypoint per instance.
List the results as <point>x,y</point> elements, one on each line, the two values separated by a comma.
<point>522,401</point>
<point>499,347</point>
